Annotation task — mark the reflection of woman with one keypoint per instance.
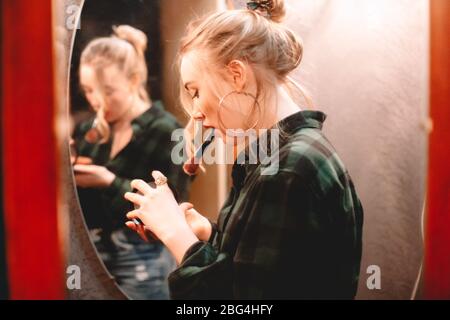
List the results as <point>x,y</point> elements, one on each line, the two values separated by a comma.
<point>132,136</point>
<point>295,233</point>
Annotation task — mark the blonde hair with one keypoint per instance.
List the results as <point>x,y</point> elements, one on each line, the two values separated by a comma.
<point>125,48</point>
<point>272,49</point>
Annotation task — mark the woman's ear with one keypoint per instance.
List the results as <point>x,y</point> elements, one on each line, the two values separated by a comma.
<point>238,72</point>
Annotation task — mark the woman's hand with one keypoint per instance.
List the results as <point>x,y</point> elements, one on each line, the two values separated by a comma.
<point>198,223</point>
<point>159,212</point>
<point>92,176</point>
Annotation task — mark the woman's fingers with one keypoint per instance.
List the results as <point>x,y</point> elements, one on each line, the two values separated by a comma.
<point>84,168</point>
<point>158,176</point>
<point>83,180</point>
<point>141,186</point>
<point>135,198</point>
<point>83,160</point>
<point>134,214</point>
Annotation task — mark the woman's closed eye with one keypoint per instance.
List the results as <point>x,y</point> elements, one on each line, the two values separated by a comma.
<point>86,91</point>
<point>195,95</point>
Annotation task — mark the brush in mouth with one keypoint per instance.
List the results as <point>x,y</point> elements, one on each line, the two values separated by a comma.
<point>192,165</point>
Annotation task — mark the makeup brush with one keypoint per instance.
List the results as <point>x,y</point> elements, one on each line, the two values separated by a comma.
<point>192,165</point>
<point>93,135</point>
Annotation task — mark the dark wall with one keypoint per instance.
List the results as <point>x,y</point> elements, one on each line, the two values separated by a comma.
<point>97,19</point>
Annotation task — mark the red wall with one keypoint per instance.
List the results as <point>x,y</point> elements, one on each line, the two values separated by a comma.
<point>437,245</point>
<point>29,149</point>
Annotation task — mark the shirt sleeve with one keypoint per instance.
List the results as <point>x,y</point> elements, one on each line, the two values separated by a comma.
<point>262,243</point>
<point>114,197</point>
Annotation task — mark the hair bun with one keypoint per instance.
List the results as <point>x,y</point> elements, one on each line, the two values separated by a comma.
<point>132,35</point>
<point>273,10</point>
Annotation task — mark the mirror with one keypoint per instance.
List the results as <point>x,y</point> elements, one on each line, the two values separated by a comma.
<point>121,128</point>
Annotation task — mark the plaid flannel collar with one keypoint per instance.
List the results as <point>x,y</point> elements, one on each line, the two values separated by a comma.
<point>142,122</point>
<point>289,126</point>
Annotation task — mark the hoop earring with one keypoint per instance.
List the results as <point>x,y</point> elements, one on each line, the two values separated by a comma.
<point>246,94</point>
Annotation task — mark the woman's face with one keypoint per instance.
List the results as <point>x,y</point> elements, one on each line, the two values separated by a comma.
<point>234,111</point>
<point>115,89</point>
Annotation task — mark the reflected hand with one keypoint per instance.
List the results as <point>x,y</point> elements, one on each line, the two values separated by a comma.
<point>74,157</point>
<point>92,176</point>
<point>80,160</point>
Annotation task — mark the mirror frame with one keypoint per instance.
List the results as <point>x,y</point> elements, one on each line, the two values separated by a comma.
<point>95,282</point>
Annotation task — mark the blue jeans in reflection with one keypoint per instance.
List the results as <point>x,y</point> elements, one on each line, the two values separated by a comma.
<point>139,268</point>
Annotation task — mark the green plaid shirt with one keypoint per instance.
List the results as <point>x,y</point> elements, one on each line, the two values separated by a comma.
<point>149,149</point>
<point>295,234</point>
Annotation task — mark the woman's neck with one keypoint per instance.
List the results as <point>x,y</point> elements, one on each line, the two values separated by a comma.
<point>138,108</point>
<point>282,107</point>
<point>279,107</point>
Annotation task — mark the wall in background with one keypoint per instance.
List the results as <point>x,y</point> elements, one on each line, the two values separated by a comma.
<point>366,66</point>
<point>208,189</point>
<point>97,19</point>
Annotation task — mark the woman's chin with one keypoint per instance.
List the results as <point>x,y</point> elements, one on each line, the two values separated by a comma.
<point>111,120</point>
<point>228,140</point>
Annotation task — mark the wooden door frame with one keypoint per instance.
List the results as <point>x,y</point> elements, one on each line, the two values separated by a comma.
<point>437,238</point>
<point>29,151</point>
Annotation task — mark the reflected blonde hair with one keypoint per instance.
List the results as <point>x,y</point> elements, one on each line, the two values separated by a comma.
<point>272,50</point>
<point>125,48</point>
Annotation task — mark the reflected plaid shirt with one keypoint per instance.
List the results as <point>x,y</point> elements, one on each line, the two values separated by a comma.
<point>149,149</point>
<point>295,234</point>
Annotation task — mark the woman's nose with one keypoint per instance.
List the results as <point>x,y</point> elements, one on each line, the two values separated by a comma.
<point>198,116</point>
<point>93,101</point>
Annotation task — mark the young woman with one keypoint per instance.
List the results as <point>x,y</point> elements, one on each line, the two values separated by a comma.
<point>295,233</point>
<point>129,137</point>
